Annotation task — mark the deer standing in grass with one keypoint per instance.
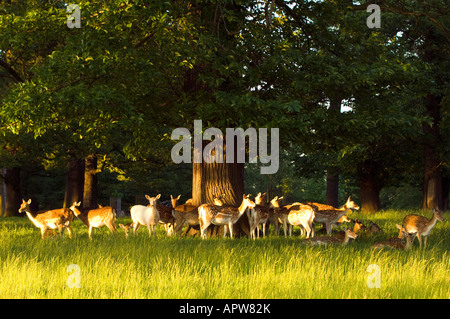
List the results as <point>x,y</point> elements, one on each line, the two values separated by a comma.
<point>96,218</point>
<point>165,215</point>
<point>51,219</point>
<point>146,216</point>
<point>126,228</point>
<point>398,242</point>
<point>329,215</point>
<point>303,216</point>
<point>222,215</point>
<point>187,213</point>
<point>327,240</point>
<point>279,214</point>
<point>421,225</point>
<point>258,215</point>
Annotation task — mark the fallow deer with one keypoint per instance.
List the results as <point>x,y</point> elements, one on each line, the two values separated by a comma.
<point>258,215</point>
<point>398,242</point>
<point>222,215</point>
<point>279,214</point>
<point>303,216</point>
<point>126,228</point>
<point>421,225</point>
<point>51,219</point>
<point>96,218</point>
<point>146,215</point>
<point>326,240</point>
<point>332,215</point>
<point>165,216</point>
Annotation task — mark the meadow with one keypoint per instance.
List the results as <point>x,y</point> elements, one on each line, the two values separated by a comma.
<point>110,266</point>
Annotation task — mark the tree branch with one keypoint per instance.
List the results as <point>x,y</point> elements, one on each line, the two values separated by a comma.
<point>11,71</point>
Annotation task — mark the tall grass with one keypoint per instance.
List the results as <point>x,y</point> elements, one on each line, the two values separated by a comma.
<point>273,267</point>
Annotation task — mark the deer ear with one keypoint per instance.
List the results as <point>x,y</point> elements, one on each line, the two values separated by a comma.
<point>179,196</point>
<point>29,201</point>
<point>148,197</point>
<point>159,195</point>
<point>398,226</point>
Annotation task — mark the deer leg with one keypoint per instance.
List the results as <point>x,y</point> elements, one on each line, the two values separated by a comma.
<point>419,238</point>
<point>69,230</point>
<point>328,226</point>
<point>90,232</point>
<point>230,226</point>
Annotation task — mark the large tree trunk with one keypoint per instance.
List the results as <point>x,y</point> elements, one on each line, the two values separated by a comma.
<point>13,196</point>
<point>90,191</point>
<point>432,188</point>
<point>332,194</point>
<point>370,196</point>
<point>370,184</point>
<point>74,182</point>
<point>224,179</point>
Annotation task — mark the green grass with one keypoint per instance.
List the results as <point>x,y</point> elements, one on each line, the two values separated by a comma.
<point>273,267</point>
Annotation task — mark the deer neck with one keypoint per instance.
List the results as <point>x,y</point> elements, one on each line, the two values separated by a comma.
<point>242,208</point>
<point>80,216</point>
<point>32,218</point>
<point>346,239</point>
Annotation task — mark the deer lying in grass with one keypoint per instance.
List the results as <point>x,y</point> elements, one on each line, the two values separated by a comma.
<point>222,215</point>
<point>303,216</point>
<point>258,215</point>
<point>327,240</point>
<point>146,216</point>
<point>397,242</point>
<point>421,225</point>
<point>330,216</point>
<point>51,219</point>
<point>96,218</point>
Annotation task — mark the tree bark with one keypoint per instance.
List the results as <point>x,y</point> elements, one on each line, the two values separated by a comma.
<point>370,180</point>
<point>90,191</point>
<point>13,192</point>
<point>332,195</point>
<point>74,182</point>
<point>432,188</point>
<point>224,179</point>
<point>370,197</point>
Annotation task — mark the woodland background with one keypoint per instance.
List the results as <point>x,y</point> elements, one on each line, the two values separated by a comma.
<point>87,113</point>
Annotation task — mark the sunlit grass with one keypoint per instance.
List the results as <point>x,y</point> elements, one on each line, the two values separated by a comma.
<point>273,267</point>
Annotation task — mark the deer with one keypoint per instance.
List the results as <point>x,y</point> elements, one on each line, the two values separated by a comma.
<point>165,216</point>
<point>146,216</point>
<point>258,215</point>
<point>96,218</point>
<point>279,214</point>
<point>332,215</point>
<point>51,219</point>
<point>222,215</point>
<point>357,227</point>
<point>397,242</point>
<point>126,228</point>
<point>303,216</point>
<point>187,213</point>
<point>421,225</point>
<point>326,240</point>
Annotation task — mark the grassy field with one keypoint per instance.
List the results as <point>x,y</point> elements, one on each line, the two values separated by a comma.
<point>273,267</point>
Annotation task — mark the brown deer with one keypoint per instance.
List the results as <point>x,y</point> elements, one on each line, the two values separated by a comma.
<point>258,215</point>
<point>421,225</point>
<point>51,219</point>
<point>126,228</point>
<point>96,218</point>
<point>303,216</point>
<point>332,215</point>
<point>398,242</point>
<point>279,214</point>
<point>165,215</point>
<point>326,240</point>
<point>222,215</point>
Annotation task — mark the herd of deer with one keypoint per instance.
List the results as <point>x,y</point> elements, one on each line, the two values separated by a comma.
<point>258,213</point>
